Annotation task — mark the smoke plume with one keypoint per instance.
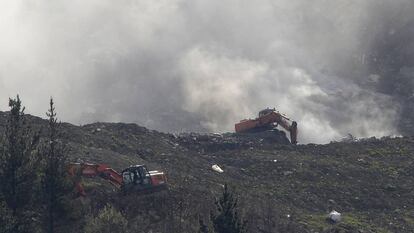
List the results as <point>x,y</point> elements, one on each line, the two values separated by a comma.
<point>336,67</point>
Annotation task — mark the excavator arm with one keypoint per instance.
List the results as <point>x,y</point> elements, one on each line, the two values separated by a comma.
<point>283,121</point>
<point>78,170</point>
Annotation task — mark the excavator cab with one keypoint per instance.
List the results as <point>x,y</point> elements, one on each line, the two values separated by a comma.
<point>266,111</point>
<point>137,178</point>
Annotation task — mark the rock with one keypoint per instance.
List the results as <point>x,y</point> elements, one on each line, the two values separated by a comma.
<point>216,168</point>
<point>334,216</point>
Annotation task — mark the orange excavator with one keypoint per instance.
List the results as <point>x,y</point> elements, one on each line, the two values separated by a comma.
<point>132,179</point>
<point>269,119</point>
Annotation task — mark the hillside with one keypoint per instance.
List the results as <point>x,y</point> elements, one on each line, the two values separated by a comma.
<point>282,188</point>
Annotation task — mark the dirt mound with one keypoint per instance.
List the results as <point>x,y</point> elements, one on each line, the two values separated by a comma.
<point>368,181</point>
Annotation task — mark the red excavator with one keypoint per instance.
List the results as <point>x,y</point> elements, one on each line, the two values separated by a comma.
<point>132,179</point>
<point>269,119</point>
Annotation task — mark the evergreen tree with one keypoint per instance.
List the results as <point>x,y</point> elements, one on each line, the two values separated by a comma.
<point>54,175</point>
<point>18,166</point>
<point>227,220</point>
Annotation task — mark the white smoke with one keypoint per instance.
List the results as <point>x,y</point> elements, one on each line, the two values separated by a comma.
<point>198,65</point>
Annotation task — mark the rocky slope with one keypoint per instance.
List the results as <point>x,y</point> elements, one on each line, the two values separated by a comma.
<point>282,188</point>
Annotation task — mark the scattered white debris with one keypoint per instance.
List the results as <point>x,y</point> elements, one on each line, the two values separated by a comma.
<point>216,168</point>
<point>288,215</point>
<point>335,216</point>
<point>98,130</point>
<point>275,160</point>
<point>286,173</point>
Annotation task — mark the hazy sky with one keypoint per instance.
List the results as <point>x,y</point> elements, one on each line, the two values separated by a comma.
<point>192,65</point>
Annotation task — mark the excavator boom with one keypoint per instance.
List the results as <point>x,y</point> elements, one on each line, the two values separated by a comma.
<point>93,170</point>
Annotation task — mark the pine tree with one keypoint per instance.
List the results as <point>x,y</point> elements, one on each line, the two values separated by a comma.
<point>18,166</point>
<point>54,175</point>
<point>227,220</point>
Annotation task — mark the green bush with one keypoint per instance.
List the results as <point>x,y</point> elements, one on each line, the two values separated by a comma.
<point>109,220</point>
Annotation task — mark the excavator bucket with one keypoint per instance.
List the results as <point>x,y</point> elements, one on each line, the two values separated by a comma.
<point>294,133</point>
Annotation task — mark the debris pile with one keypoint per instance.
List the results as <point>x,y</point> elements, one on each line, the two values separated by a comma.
<point>230,141</point>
